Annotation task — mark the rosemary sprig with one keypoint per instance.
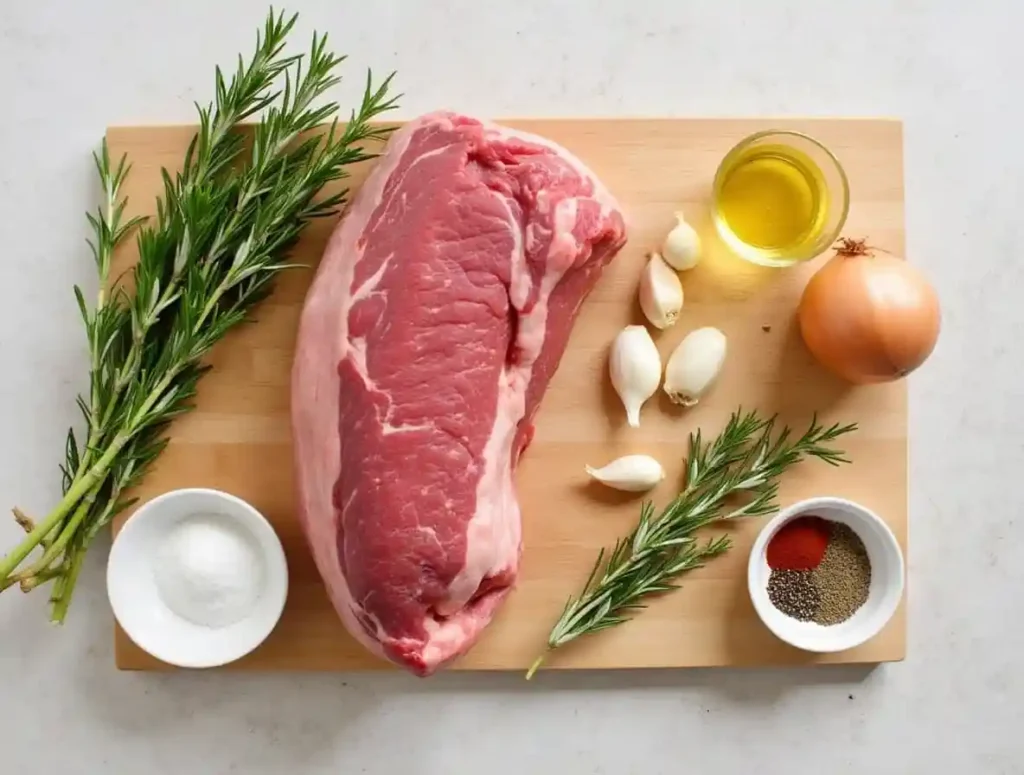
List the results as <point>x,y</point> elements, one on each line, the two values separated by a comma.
<point>747,457</point>
<point>223,228</point>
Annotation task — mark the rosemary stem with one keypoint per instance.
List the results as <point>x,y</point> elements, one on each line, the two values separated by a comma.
<point>17,555</point>
<point>536,665</point>
<point>83,490</point>
<point>74,497</point>
<point>65,587</point>
<point>55,548</point>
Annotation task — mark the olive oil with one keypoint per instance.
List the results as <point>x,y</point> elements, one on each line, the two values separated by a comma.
<point>772,203</point>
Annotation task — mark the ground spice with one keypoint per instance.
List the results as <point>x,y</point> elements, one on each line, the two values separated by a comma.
<point>843,578</point>
<point>820,571</point>
<point>794,593</point>
<point>799,544</point>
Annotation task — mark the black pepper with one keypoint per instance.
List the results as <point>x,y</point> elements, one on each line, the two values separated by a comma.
<point>794,593</point>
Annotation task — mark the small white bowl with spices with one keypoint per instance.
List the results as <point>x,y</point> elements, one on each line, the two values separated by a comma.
<point>826,575</point>
<point>197,578</point>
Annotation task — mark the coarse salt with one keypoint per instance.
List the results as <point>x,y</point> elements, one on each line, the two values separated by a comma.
<point>209,571</point>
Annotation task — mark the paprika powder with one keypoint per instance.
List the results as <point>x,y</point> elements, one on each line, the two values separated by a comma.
<point>799,544</point>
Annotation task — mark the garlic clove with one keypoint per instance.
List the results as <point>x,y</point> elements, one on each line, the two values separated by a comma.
<point>661,293</point>
<point>682,247</point>
<point>694,365</point>
<point>635,369</point>
<point>631,473</point>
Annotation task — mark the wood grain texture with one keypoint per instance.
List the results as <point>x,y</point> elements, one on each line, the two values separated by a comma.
<point>238,438</point>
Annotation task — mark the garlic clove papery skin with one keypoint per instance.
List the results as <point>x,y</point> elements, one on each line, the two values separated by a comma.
<point>682,247</point>
<point>635,369</point>
<point>694,365</point>
<point>631,473</point>
<point>661,293</point>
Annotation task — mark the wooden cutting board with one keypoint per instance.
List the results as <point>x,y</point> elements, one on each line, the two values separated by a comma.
<point>238,437</point>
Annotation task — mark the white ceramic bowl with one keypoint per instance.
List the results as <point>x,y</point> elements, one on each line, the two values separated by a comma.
<point>886,578</point>
<point>142,613</point>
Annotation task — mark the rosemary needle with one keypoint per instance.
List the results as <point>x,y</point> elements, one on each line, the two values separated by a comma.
<point>747,457</point>
<point>223,228</point>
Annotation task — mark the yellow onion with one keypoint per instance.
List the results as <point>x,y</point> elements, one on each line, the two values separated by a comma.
<point>869,317</point>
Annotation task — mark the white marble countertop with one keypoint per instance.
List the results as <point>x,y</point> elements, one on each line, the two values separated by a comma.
<point>951,70</point>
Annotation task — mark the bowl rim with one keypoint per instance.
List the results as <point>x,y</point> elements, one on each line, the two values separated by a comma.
<point>759,596</point>
<point>242,513</point>
<point>742,144</point>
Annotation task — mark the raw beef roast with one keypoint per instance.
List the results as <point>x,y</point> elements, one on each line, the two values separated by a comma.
<point>438,315</point>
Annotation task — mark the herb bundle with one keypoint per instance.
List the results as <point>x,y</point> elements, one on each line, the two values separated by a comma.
<point>748,457</point>
<point>223,228</point>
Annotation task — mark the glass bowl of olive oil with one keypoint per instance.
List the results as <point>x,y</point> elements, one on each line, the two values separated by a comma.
<point>779,198</point>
